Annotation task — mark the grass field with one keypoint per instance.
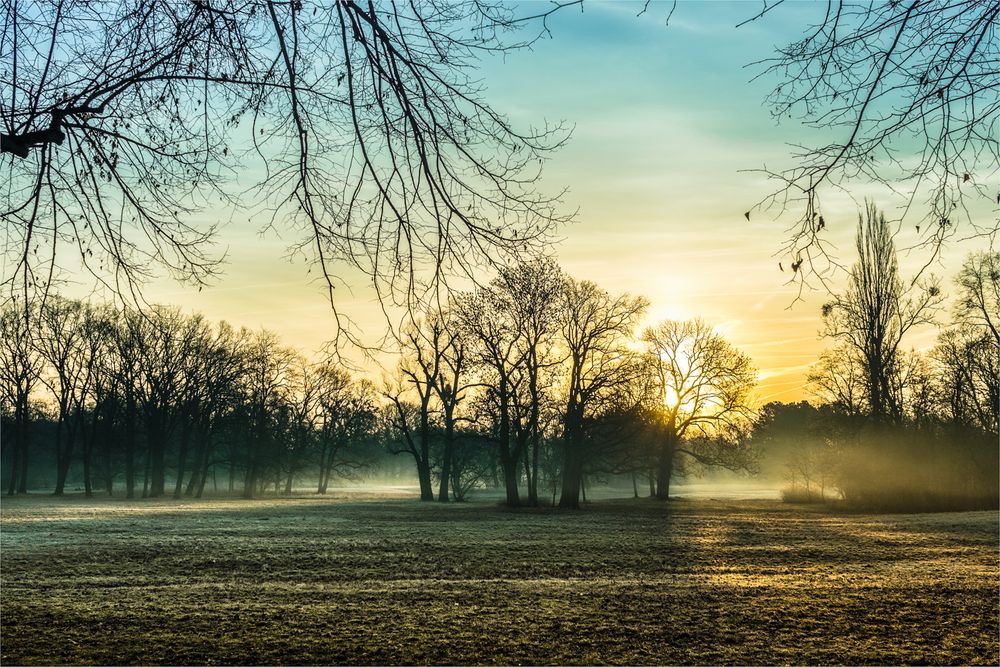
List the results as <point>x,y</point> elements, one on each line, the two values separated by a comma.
<point>393,581</point>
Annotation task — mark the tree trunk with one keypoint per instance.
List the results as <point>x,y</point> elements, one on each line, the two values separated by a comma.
<point>204,478</point>
<point>107,456</point>
<point>250,478</point>
<point>19,460</point>
<point>145,474</point>
<point>572,465</point>
<point>60,477</point>
<point>424,457</point>
<point>62,472</point>
<point>508,459</point>
<point>510,481</point>
<point>15,464</point>
<point>88,448</point>
<point>88,454</point>
<point>182,459</point>
<point>424,474</point>
<point>65,457</point>
<point>321,488</point>
<point>526,450</point>
<point>533,491</point>
<point>130,449</point>
<point>22,482</point>
<point>666,468</point>
<point>249,481</point>
<point>197,480</point>
<point>449,445</point>
<point>157,465</point>
<point>570,498</point>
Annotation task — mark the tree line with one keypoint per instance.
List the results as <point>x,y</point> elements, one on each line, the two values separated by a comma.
<point>536,383</point>
<point>892,427</point>
<point>129,395</point>
<point>532,383</point>
<point>547,373</point>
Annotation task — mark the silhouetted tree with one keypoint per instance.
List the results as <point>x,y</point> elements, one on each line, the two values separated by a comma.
<point>411,422</point>
<point>531,292</point>
<point>510,330</point>
<point>266,383</point>
<point>908,91</point>
<point>875,312</point>
<point>702,385</point>
<point>348,423</point>
<point>20,366</point>
<point>595,329</point>
<point>452,384</point>
<point>63,345</point>
<point>365,118</point>
<point>127,341</point>
<point>978,302</point>
<point>422,345</point>
<point>968,353</point>
<point>165,340</point>
<point>221,367</point>
<point>838,379</point>
<point>100,410</point>
<point>493,344</point>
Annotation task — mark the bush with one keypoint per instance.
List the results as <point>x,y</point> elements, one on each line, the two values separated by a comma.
<point>796,493</point>
<point>920,470</point>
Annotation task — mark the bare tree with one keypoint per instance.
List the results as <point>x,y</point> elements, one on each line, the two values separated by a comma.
<point>347,423</point>
<point>498,361</point>
<point>411,421</point>
<point>979,293</point>
<point>63,346</point>
<point>703,387</point>
<point>909,92</point>
<point>20,366</point>
<point>531,292</point>
<point>838,379</point>
<point>595,329</point>
<point>453,383</point>
<point>217,388</point>
<point>511,329</point>
<point>267,380</point>
<point>165,338</point>
<point>876,311</point>
<point>365,121</point>
<point>968,353</point>
<point>423,344</point>
<point>128,341</point>
<point>100,407</point>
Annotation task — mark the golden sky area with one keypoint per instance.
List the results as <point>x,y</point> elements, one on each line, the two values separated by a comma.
<point>668,128</point>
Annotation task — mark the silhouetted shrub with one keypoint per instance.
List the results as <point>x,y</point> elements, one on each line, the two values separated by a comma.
<point>908,469</point>
<point>796,493</point>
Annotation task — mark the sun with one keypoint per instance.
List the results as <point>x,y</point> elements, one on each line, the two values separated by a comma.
<point>671,399</point>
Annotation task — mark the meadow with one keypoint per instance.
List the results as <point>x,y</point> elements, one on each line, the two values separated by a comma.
<point>366,580</point>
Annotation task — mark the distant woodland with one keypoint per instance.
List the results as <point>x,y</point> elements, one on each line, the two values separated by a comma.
<point>535,383</point>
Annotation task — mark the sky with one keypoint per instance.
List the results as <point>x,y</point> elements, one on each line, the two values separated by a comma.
<point>668,128</point>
